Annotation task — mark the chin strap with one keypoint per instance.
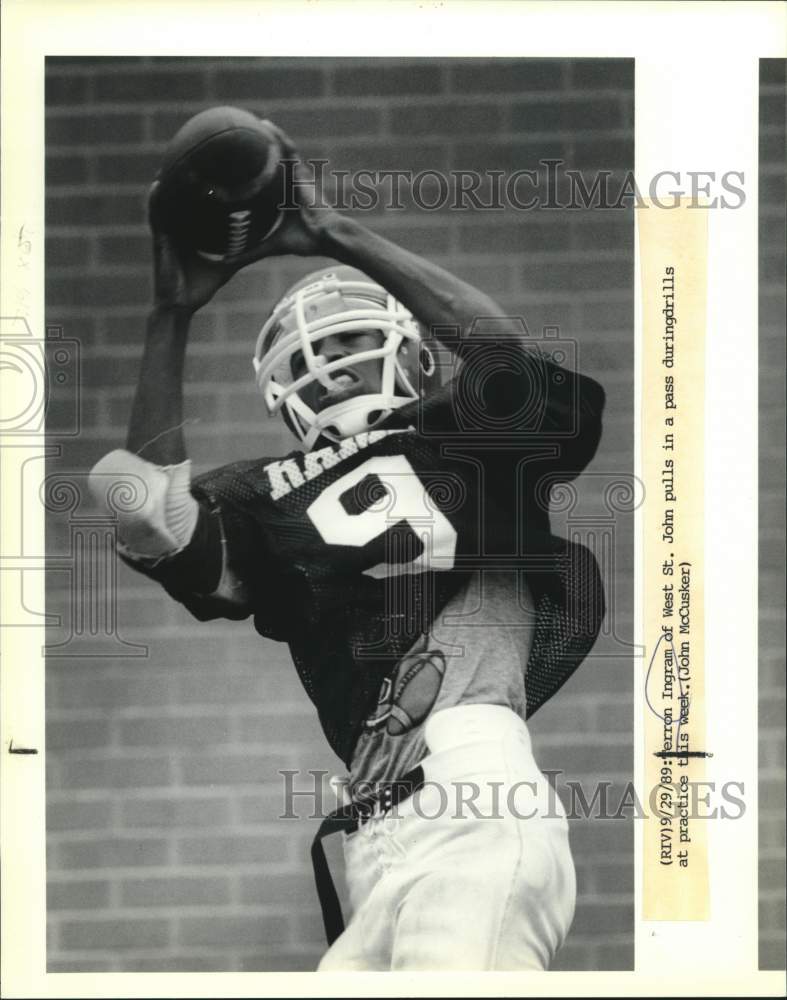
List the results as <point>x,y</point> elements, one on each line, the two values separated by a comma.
<point>351,417</point>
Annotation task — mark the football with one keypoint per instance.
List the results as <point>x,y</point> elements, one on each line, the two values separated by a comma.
<point>221,183</point>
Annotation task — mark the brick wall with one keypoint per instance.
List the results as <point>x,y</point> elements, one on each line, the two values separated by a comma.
<point>164,847</point>
<point>772,527</point>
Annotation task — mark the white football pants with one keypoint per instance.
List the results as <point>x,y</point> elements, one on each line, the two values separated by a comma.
<point>474,870</point>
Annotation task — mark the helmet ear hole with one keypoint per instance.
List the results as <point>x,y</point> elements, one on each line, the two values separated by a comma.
<point>427,361</point>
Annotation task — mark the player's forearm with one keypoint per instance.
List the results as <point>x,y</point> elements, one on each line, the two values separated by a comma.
<point>153,465</point>
<point>433,295</point>
<point>155,426</point>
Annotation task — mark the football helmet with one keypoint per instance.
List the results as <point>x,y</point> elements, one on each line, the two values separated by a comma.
<point>328,305</point>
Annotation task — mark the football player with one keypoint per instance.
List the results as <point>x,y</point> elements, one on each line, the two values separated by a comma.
<point>404,553</point>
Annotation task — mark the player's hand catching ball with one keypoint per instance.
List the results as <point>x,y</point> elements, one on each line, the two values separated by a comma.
<point>182,279</point>
<point>304,220</point>
<point>231,190</point>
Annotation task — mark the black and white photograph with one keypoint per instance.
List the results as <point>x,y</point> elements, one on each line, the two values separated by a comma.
<point>392,443</point>
<point>348,331</point>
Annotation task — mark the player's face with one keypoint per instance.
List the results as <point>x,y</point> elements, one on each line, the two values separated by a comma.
<point>362,378</point>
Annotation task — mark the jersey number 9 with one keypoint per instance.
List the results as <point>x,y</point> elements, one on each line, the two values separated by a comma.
<point>397,496</point>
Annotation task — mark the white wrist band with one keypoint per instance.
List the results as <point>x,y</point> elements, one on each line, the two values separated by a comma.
<point>161,517</point>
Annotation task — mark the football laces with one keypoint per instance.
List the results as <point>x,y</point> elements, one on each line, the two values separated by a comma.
<point>239,223</point>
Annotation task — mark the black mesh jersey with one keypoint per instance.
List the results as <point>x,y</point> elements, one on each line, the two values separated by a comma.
<point>349,551</point>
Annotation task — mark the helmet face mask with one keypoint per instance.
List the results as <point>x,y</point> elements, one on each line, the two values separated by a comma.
<point>338,335</point>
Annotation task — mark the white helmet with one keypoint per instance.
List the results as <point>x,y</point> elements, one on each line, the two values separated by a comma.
<point>337,300</point>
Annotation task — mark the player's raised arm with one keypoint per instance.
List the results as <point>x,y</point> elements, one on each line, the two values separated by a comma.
<point>439,299</point>
<point>204,212</point>
<point>436,297</point>
<point>182,283</point>
<point>155,453</point>
<point>170,535</point>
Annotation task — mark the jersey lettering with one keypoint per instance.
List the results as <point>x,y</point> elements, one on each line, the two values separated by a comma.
<point>285,475</point>
<point>316,462</point>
